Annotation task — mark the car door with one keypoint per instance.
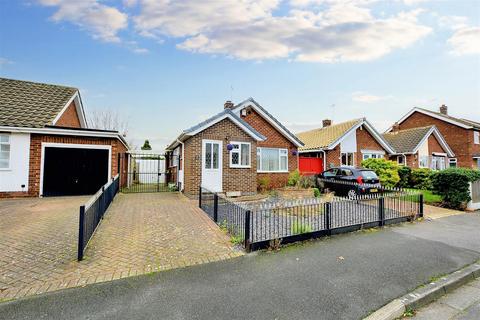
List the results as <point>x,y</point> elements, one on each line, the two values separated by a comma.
<point>329,175</point>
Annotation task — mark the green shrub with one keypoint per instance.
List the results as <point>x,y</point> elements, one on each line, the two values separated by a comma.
<point>386,170</point>
<point>404,173</point>
<point>294,178</point>
<point>421,178</point>
<point>306,182</point>
<point>453,185</point>
<point>316,192</point>
<point>299,228</point>
<point>263,184</point>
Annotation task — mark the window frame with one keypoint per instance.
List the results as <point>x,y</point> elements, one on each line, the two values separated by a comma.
<point>347,153</point>
<point>403,163</point>
<point>372,155</point>
<point>239,151</point>
<point>476,137</point>
<point>452,160</point>
<point>280,170</point>
<point>9,144</point>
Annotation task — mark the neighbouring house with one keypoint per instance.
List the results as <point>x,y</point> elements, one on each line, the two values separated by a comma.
<point>46,148</point>
<point>347,143</point>
<point>422,147</point>
<point>234,151</point>
<point>462,135</point>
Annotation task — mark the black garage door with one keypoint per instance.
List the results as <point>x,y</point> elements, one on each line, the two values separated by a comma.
<point>72,171</point>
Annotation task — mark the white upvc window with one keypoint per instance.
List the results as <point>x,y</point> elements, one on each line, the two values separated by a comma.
<point>372,155</point>
<point>4,151</point>
<point>476,137</point>
<point>272,160</point>
<point>347,159</point>
<point>423,162</point>
<point>437,163</point>
<point>401,160</point>
<point>452,162</point>
<point>240,155</point>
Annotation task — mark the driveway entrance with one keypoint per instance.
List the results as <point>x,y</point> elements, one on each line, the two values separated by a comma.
<point>141,233</point>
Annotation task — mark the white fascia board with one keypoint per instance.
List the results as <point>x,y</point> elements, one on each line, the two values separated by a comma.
<point>269,120</point>
<point>79,108</point>
<point>335,143</point>
<point>66,132</point>
<point>431,114</point>
<point>226,115</point>
<point>443,143</point>
<point>378,137</point>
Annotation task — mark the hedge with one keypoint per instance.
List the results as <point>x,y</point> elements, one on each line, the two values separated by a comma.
<point>453,185</point>
<point>386,170</point>
<point>421,179</point>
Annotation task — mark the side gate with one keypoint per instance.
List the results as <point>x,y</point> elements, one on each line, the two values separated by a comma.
<point>147,172</point>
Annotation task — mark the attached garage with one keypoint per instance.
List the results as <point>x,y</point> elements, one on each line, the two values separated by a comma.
<point>74,169</point>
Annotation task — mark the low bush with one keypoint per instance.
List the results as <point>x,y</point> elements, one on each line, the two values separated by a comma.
<point>404,174</point>
<point>263,184</point>
<point>421,179</point>
<point>453,185</point>
<point>293,178</point>
<point>299,228</point>
<point>316,192</point>
<point>386,170</point>
<point>306,182</point>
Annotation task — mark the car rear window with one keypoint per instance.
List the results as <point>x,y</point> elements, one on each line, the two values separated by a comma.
<point>369,175</point>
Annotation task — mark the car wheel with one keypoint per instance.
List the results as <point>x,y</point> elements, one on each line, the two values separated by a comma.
<point>352,194</point>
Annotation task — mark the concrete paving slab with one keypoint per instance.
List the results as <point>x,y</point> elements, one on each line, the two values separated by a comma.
<point>475,283</point>
<point>436,311</point>
<point>472,313</point>
<point>461,298</point>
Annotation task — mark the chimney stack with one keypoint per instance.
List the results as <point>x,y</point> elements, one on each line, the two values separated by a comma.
<point>395,127</point>
<point>228,104</point>
<point>444,109</point>
<point>326,123</point>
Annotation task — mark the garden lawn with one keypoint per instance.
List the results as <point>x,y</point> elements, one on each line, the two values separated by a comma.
<point>429,197</point>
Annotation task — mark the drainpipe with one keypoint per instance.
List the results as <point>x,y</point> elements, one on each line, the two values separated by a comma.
<point>324,160</point>
<point>183,164</point>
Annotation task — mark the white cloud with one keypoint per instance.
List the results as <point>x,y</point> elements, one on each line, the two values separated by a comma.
<point>465,41</point>
<point>335,31</point>
<point>367,98</point>
<point>453,22</point>
<point>102,21</point>
<point>5,61</point>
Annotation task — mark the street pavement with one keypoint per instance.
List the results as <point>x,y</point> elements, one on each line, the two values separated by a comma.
<point>341,277</point>
<point>461,304</point>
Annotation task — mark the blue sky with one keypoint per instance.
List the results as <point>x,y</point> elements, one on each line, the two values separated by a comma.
<point>165,65</point>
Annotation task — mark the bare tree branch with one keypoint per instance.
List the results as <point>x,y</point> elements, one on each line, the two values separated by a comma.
<point>108,119</point>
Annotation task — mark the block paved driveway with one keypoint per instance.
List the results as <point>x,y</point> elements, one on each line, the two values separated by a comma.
<point>141,233</point>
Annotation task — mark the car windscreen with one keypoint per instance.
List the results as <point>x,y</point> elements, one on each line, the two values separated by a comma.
<point>368,175</point>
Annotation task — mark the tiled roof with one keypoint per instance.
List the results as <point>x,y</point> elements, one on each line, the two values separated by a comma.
<point>323,137</point>
<point>31,104</point>
<point>405,141</point>
<point>466,122</point>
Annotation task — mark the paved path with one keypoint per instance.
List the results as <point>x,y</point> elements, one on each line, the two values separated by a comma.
<point>432,212</point>
<point>141,233</point>
<point>462,304</point>
<point>342,277</point>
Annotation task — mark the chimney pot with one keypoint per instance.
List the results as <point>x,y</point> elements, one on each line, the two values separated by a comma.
<point>228,104</point>
<point>326,123</point>
<point>444,109</point>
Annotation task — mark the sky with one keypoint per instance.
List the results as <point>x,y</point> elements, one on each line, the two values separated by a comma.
<point>164,66</point>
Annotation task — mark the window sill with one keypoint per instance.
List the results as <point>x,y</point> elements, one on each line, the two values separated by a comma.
<point>240,167</point>
<point>5,169</point>
<point>272,171</point>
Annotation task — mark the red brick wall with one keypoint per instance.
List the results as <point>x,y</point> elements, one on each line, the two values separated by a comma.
<point>460,140</point>
<point>333,157</point>
<point>234,179</point>
<point>36,141</point>
<point>69,118</point>
<point>434,145</point>
<point>366,141</point>
<point>274,140</point>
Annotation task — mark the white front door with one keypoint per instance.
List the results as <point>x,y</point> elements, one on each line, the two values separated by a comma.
<point>212,165</point>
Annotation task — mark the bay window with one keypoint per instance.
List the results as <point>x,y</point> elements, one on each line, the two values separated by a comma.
<point>272,160</point>
<point>4,151</point>
<point>240,155</point>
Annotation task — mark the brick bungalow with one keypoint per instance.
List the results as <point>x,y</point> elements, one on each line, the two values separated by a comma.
<point>462,135</point>
<point>422,147</point>
<point>347,143</point>
<point>46,148</point>
<point>233,150</point>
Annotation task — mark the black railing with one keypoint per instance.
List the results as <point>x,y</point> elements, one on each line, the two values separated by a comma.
<point>92,213</point>
<point>294,220</point>
<point>231,217</point>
